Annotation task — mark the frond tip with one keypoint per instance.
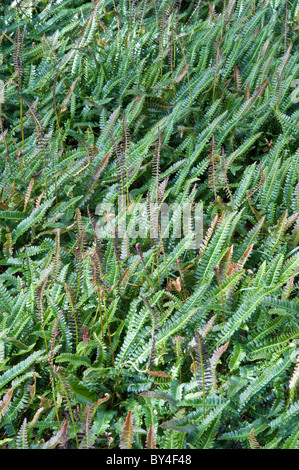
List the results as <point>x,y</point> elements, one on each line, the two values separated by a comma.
<point>150,442</point>
<point>126,440</point>
<point>4,403</point>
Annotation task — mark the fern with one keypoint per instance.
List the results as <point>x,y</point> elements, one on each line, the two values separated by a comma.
<point>184,104</point>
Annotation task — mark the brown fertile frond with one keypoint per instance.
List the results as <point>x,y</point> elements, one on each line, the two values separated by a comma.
<point>170,53</point>
<point>72,313</point>
<point>79,250</point>
<point>120,165</point>
<point>28,193</point>
<point>63,433</point>
<point>215,359</point>
<point>150,442</point>
<point>208,235</point>
<point>213,166</point>
<point>97,271</point>
<point>159,373</point>
<point>225,262</point>
<point>4,403</point>
<point>294,380</point>
<point>259,90</point>
<point>125,143</point>
<point>68,95</point>
<point>35,417</point>
<point>287,289</point>
<point>161,32</point>
<point>155,317</point>
<point>32,388</point>
<point>161,189</point>
<point>60,438</point>
<point>39,297</point>
<point>54,334</point>
<point>253,440</point>
<point>139,251</point>
<point>237,78</point>
<point>85,336</point>
<point>88,434</point>
<point>56,255</point>
<point>126,440</point>
<point>99,402</point>
<point>207,327</point>
<point>156,165</point>
<point>245,256</point>
<point>247,92</point>
<point>18,53</point>
<point>231,5</point>
<point>224,178</point>
<point>36,119</point>
<point>97,256</point>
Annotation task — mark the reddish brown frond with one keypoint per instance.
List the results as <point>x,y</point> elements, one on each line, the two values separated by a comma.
<point>4,403</point>
<point>126,440</point>
<point>159,373</point>
<point>150,442</point>
<point>253,440</point>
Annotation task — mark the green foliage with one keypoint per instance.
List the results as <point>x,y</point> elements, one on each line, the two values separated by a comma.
<point>149,343</point>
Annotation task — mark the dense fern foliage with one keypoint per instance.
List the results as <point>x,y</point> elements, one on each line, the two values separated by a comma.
<point>149,342</point>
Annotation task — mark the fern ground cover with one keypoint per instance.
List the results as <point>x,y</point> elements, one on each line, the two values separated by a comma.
<point>128,341</point>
